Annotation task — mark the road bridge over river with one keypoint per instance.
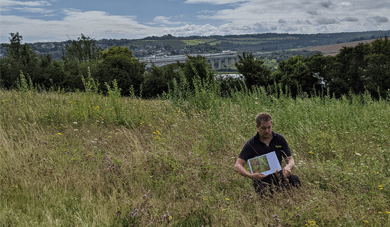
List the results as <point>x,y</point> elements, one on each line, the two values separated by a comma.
<point>219,60</point>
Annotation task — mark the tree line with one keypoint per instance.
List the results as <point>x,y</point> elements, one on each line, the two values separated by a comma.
<point>364,67</point>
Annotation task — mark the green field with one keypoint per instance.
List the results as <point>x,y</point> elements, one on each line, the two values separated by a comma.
<point>84,159</point>
<point>193,42</point>
<point>214,42</point>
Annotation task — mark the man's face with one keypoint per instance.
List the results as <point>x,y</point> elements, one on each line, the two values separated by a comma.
<point>265,129</point>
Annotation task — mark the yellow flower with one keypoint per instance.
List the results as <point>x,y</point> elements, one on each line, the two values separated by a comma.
<point>387,212</point>
<point>227,199</point>
<point>170,217</point>
<point>16,186</point>
<point>380,185</point>
<point>379,212</point>
<point>312,222</point>
<point>203,198</point>
<point>365,221</point>
<point>223,209</point>
<point>59,133</point>
<point>311,152</point>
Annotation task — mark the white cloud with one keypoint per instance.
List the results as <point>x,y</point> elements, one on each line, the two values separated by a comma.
<point>8,3</point>
<point>327,21</point>
<point>326,4</point>
<point>379,19</point>
<point>304,16</point>
<point>33,10</point>
<point>8,6</point>
<point>95,24</point>
<point>312,12</point>
<point>216,2</point>
<point>347,4</point>
<point>164,20</point>
<point>351,19</point>
<point>282,21</point>
<point>241,17</point>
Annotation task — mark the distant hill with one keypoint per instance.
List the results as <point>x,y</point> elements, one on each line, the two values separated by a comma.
<point>254,43</point>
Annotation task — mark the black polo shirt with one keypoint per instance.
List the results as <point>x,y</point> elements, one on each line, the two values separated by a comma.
<point>254,147</point>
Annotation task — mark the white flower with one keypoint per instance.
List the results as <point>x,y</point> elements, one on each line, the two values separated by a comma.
<point>75,123</point>
<point>358,154</point>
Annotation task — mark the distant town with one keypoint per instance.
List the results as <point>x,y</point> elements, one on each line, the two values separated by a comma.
<point>168,45</point>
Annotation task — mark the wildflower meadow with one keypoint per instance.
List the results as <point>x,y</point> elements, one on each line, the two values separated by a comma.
<point>88,159</point>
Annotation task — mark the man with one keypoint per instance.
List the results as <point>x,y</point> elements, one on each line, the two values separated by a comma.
<point>263,142</point>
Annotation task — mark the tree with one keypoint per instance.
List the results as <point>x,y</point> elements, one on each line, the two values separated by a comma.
<point>254,71</point>
<point>14,49</point>
<point>302,74</point>
<point>82,50</point>
<point>19,58</point>
<point>52,74</point>
<point>320,68</point>
<point>346,71</point>
<point>377,71</point>
<point>119,64</point>
<point>196,66</point>
<point>159,79</point>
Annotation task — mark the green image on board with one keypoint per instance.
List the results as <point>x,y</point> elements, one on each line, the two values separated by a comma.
<point>260,164</point>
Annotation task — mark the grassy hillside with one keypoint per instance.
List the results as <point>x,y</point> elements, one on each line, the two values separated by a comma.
<point>83,159</point>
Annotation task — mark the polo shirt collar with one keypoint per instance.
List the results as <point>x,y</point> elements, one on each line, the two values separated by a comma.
<point>258,137</point>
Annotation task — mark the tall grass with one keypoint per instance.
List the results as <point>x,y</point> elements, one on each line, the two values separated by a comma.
<point>85,159</point>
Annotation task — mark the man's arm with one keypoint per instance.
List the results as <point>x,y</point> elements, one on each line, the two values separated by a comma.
<point>290,164</point>
<point>239,167</point>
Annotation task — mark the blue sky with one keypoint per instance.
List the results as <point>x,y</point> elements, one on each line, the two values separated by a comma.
<point>56,20</point>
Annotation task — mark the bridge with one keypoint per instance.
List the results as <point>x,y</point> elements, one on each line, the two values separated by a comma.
<point>223,59</point>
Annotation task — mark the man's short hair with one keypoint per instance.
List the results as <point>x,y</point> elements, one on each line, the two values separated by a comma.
<point>263,117</point>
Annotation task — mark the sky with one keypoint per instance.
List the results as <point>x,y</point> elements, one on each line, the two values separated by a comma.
<point>61,20</point>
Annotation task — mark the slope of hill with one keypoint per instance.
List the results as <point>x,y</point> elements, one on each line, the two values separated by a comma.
<point>332,50</point>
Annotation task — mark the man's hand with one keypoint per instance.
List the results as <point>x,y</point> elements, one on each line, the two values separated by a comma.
<point>239,167</point>
<point>288,167</point>
<point>257,176</point>
<point>287,171</point>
